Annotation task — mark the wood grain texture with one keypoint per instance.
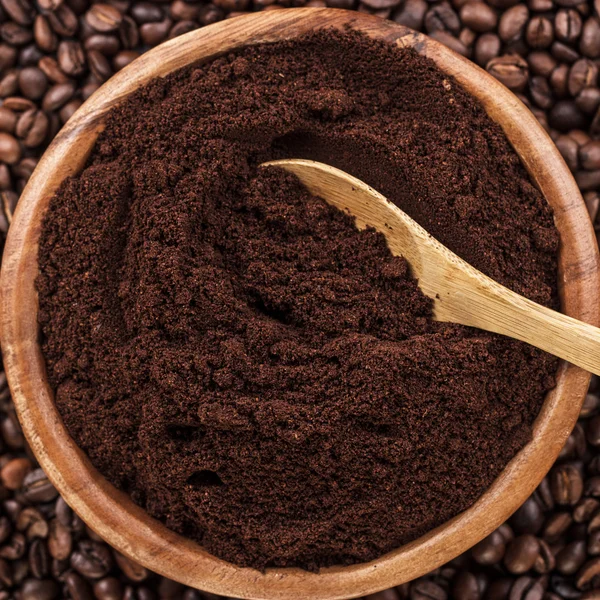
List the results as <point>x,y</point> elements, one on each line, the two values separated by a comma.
<point>112,514</point>
<point>460,293</point>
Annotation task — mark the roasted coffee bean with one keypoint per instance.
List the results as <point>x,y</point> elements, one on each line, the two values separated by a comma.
<point>108,589</point>
<point>427,590</point>
<point>43,34</point>
<point>14,34</point>
<point>10,149</point>
<point>103,18</point>
<point>564,53</point>
<point>14,548</point>
<point>52,71</point>
<point>18,103</point>
<point>60,540</point>
<point>146,12</point>
<point>545,561</point>
<point>129,33</point>
<point>526,588</point>
<point>583,73</point>
<point>67,111</point>
<point>512,23</point>
<point>567,25</point>
<point>570,559</point>
<point>132,570</point>
<point>58,95</point>
<point>540,92</point>
<point>155,33</point>
<point>589,43</point>
<point>539,32</point>
<point>77,587</point>
<point>510,70</point>
<point>588,100</point>
<point>541,63</point>
<point>105,43</point>
<point>587,573</point>
<point>440,17</point>
<point>63,21</point>
<point>564,116</point>
<point>124,58</point>
<point>8,120</point>
<point>528,518</point>
<point>99,65</point>
<point>478,16</point>
<point>13,472</point>
<point>589,158</point>
<point>37,487</point>
<point>33,83</point>
<point>92,559</point>
<point>521,554</point>
<point>32,128</point>
<point>71,58</point>
<point>34,589</point>
<point>410,14</point>
<point>9,84</point>
<point>39,559</point>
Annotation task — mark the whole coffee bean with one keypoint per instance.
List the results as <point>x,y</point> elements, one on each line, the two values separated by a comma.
<point>20,11</point>
<point>512,23</point>
<point>34,589</point>
<point>589,43</point>
<point>129,33</point>
<point>182,27</point>
<point>589,157</point>
<point>108,589</point>
<point>587,573</point>
<point>105,43</point>
<point>588,101</point>
<point>423,589</point>
<point>99,65</point>
<point>52,71</point>
<point>15,35</point>
<point>58,95</point>
<point>210,13</point>
<point>10,149</point>
<point>526,588</point>
<point>450,41</point>
<point>124,58</point>
<point>478,16</point>
<point>540,92</point>
<point>441,17</point>
<point>584,73</point>
<point>77,587</point>
<point>30,520</point>
<point>545,562</point>
<point>9,426</point>
<point>13,472</point>
<point>71,58</point>
<point>593,541</point>
<point>32,128</point>
<point>487,47</point>
<point>155,33</point>
<point>92,559</point>
<point>49,5</point>
<point>592,485</point>
<point>539,32</point>
<point>465,586</point>
<point>60,541</point>
<point>33,82</point>
<point>39,559</point>
<point>510,70</point>
<point>564,116</point>
<point>37,487</point>
<point>43,34</point>
<point>570,559</point>
<point>558,81</point>
<point>8,57</point>
<point>541,63</point>
<point>528,518</point>
<point>410,14</point>
<point>148,12</point>
<point>8,121</point>
<point>18,104</point>
<point>521,554</point>
<point>132,570</point>
<point>14,548</point>
<point>184,11</point>
<point>567,25</point>
<point>103,18</point>
<point>67,111</point>
<point>63,21</point>
<point>564,53</point>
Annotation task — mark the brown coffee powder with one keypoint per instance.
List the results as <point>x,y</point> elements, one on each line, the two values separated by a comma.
<point>251,369</point>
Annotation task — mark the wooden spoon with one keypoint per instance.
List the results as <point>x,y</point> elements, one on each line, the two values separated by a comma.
<point>461,293</point>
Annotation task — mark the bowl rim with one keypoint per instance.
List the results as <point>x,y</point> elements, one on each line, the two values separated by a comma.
<point>111,513</point>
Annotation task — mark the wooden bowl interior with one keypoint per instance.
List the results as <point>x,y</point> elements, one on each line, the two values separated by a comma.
<point>111,513</point>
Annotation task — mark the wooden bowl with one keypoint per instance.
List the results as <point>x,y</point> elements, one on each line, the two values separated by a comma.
<point>111,513</point>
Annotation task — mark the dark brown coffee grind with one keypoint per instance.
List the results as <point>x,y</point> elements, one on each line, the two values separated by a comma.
<point>236,356</point>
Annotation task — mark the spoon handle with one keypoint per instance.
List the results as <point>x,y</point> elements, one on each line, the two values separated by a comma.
<point>461,293</point>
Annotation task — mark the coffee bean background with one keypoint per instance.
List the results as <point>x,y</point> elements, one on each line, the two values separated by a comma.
<point>55,53</point>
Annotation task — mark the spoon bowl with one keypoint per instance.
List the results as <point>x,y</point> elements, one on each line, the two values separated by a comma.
<point>111,513</point>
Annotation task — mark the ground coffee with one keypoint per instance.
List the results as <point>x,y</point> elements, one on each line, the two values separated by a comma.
<point>251,369</point>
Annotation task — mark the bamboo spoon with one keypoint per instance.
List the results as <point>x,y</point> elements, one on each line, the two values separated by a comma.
<point>461,293</point>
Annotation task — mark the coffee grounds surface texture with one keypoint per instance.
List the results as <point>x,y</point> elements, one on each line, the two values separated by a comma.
<point>254,371</point>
